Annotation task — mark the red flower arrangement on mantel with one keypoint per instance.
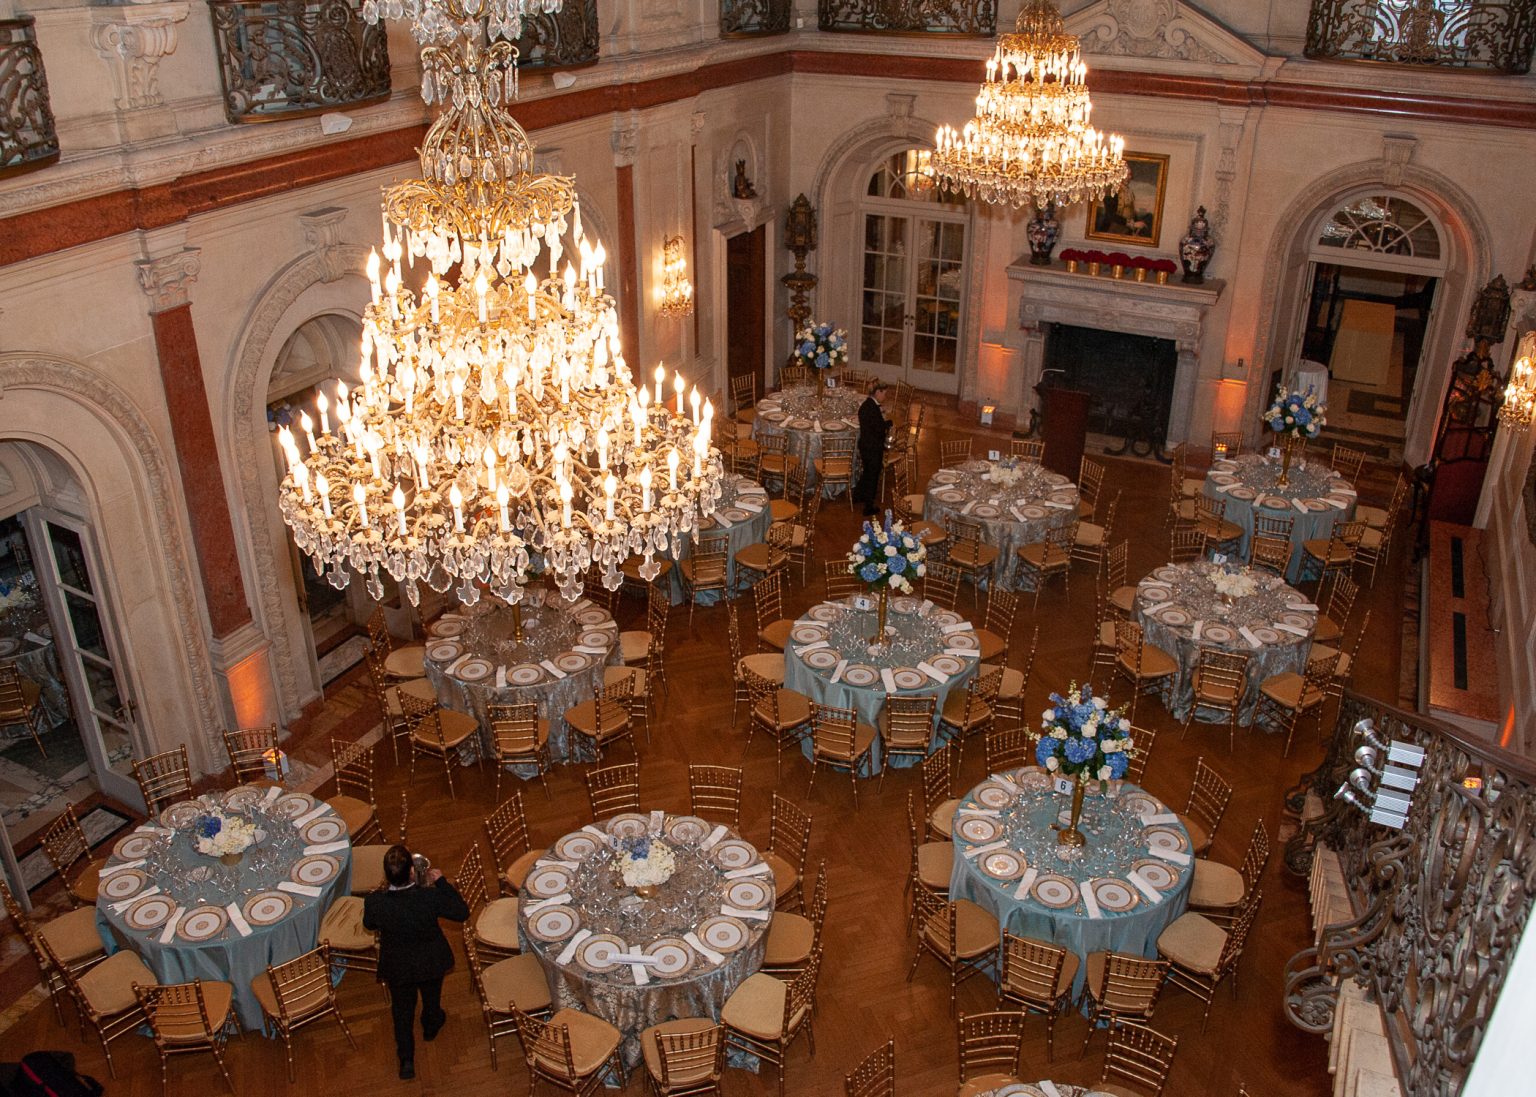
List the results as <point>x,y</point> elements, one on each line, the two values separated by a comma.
<point>1118,263</point>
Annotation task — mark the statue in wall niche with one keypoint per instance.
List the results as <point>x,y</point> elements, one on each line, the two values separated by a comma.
<point>742,187</point>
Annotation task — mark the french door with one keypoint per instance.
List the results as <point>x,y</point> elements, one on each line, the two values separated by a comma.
<point>911,307</point>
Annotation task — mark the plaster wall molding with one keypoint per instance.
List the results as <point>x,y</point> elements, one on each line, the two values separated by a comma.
<point>167,279</point>
<point>322,232</point>
<point>1164,31</point>
<point>133,40</point>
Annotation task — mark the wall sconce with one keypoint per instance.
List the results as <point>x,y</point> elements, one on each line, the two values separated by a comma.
<point>1519,406</point>
<point>676,290</point>
<point>987,411</point>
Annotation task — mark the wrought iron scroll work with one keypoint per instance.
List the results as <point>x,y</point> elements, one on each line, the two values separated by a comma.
<point>294,57</point>
<point>957,18</point>
<point>750,18</point>
<point>1499,35</point>
<point>1442,903</point>
<point>561,40</point>
<point>28,138</point>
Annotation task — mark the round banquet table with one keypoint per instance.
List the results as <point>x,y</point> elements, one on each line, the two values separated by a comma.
<point>701,935</point>
<point>743,516</point>
<point>190,916</point>
<point>1006,861</point>
<point>931,650</point>
<point>1013,513</point>
<point>1181,613</point>
<point>806,419</point>
<point>1044,1088</point>
<point>32,656</point>
<point>1315,498</point>
<point>474,660</point>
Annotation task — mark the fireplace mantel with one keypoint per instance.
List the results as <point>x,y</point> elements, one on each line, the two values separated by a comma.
<point>1172,311</point>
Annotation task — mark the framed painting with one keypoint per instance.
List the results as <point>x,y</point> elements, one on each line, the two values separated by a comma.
<point>1134,213</point>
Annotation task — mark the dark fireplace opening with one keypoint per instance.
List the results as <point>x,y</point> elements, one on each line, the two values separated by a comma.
<point>1130,379</point>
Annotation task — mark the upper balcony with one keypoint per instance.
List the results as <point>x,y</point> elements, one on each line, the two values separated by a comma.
<point>562,40</point>
<point>1487,35</point>
<point>950,18</point>
<point>755,18</point>
<point>28,138</point>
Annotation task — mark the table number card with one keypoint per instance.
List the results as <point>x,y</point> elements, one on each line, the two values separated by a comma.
<point>994,455</point>
<point>1063,785</point>
<point>1273,453</point>
<point>863,603</point>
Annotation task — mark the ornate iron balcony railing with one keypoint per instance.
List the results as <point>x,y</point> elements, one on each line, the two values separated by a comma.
<point>1472,34</point>
<point>750,18</point>
<point>287,58</point>
<point>28,138</point>
<point>958,18</point>
<point>1443,902</point>
<point>562,40</point>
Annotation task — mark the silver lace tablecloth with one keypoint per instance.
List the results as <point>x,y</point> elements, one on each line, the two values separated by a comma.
<point>602,904</point>
<point>743,516</point>
<point>806,419</point>
<point>191,879</point>
<point>1021,879</point>
<point>1176,597</point>
<point>832,642</point>
<point>35,662</point>
<point>1013,514</point>
<point>1039,1089</point>
<point>479,641</point>
<point>1315,498</point>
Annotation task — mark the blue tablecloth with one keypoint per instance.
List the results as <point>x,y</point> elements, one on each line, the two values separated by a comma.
<point>742,527</point>
<point>227,955</point>
<point>1117,843</point>
<point>1015,515</point>
<point>806,422</point>
<point>1249,481</point>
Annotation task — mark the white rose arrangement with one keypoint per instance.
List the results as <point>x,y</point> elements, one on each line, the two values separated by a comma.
<point>1234,584</point>
<point>646,862</point>
<point>218,835</point>
<point>1006,476</point>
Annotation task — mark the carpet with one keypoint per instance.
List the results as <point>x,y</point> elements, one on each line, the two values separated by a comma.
<point>342,658</point>
<point>98,824</point>
<point>1379,404</point>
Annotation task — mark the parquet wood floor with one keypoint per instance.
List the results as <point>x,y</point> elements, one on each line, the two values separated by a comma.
<point>864,995</point>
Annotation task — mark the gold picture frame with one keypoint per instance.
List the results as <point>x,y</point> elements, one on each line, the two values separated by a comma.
<point>1146,186</point>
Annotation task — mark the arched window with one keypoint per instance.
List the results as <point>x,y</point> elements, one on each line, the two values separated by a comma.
<point>909,176</point>
<point>1385,224</point>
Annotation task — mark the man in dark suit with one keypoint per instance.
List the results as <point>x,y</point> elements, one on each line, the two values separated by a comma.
<point>413,953</point>
<point>873,427</point>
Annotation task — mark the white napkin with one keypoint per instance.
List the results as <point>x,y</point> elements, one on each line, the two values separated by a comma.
<point>1283,627</point>
<point>976,851</point>
<point>453,667</point>
<point>501,677</point>
<point>327,847</point>
<point>1007,782</point>
<point>837,672</point>
<point>298,889</point>
<point>933,672</point>
<point>888,679</point>
<point>1178,857</point>
<point>1305,607</point>
<point>550,666</point>
<point>273,793</point>
<point>600,835</point>
<point>581,605</point>
<point>926,608</point>
<point>1048,1087</point>
<point>118,908</point>
<point>979,811</point>
<point>1299,505</point>
<point>958,626</point>
<point>737,912</point>
<point>572,865</point>
<point>1199,625</point>
<point>817,646</point>
<point>1343,489</point>
<point>963,653</point>
<point>1027,882</point>
<point>637,965</point>
<point>657,818</point>
<point>1337,504</point>
<point>569,952</point>
<point>758,869</point>
<point>241,925</point>
<point>588,649</point>
<point>1085,889</point>
<point>1014,510</point>
<point>552,901</point>
<point>714,837</point>
<point>1224,488</point>
<point>147,829</point>
<point>702,949</point>
<point>170,926</point>
<point>311,815</point>
<point>967,508</point>
<point>1158,820</point>
<point>119,868</point>
<point>1056,505</point>
<point>750,508</point>
<point>1253,641</point>
<point>1141,885</point>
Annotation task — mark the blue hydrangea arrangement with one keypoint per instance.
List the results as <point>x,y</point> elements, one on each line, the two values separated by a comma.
<point>886,555</point>
<point>1081,736</point>
<point>1296,413</point>
<point>821,346</point>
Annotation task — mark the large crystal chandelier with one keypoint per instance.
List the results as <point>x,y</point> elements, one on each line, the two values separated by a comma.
<point>495,419</point>
<point>1030,141</point>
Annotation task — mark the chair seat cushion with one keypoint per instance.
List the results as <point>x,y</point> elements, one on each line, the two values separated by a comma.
<point>1216,693</point>
<point>517,981</point>
<point>1189,486</point>
<point>650,1051</point>
<point>496,924</point>
<point>1284,689</point>
<point>357,814</point>
<point>611,675</point>
<point>913,503</point>
<point>794,710</point>
<point>1318,549</point>
<point>766,664</point>
<point>935,862</point>
<point>1090,534</point>
<point>992,645</point>
<point>1215,885</point>
<point>1323,651</point>
<point>368,868</point>
<point>1371,538</point>
<point>785,878</point>
<point>1327,630</point>
<point>942,821</point>
<point>758,557</point>
<point>833,468</point>
<point>776,634</point>
<point>182,1023</point>
<point>903,737</point>
<point>985,1083</point>
<point>1194,942</point>
<point>1012,687</point>
<point>593,1041</point>
<point>342,926</point>
<point>457,726</point>
<point>1155,663</point>
<point>863,739</point>
<point>406,662</point>
<point>954,714</point>
<point>631,569</point>
<point>1107,634</point>
<point>299,1005</point>
<point>634,645</point>
<point>87,881</point>
<point>972,554</point>
<point>1220,530</point>
<point>1085,508</point>
<point>1123,598</point>
<point>1043,554</point>
<point>1374,517</point>
<point>582,719</point>
<point>520,868</point>
<point>929,533</point>
<point>976,930</point>
<point>1199,840</point>
<point>757,1007</point>
<point>108,986</point>
<point>73,936</point>
<point>790,937</point>
<point>782,510</point>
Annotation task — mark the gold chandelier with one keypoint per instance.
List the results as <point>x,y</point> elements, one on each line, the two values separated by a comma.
<point>1519,406</point>
<point>1030,141</point>
<point>495,418</point>
<point>676,290</point>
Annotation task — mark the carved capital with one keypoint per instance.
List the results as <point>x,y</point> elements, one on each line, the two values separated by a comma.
<point>322,232</point>
<point>167,280</point>
<point>1396,150</point>
<point>133,40</point>
<point>696,123</point>
<point>626,142</point>
<point>899,104</point>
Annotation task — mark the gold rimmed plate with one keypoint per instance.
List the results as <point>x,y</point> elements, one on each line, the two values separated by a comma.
<point>123,883</point>
<point>554,923</point>
<point>1115,895</point>
<point>267,908</point>
<point>733,853</point>
<point>314,870</point>
<point>1054,890</point>
<point>576,847</point>
<point>202,923</point>
<point>723,933</point>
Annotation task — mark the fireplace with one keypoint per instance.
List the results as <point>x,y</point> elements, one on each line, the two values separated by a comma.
<point>1129,376</point>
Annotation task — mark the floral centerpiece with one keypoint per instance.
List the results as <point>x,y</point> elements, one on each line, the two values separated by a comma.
<point>1296,417</point>
<point>219,834</point>
<point>1005,473</point>
<point>1083,738</point>
<point>645,863</point>
<point>1233,583</point>
<point>887,557</point>
<point>820,347</point>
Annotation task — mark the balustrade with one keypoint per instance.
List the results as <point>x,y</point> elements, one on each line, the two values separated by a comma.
<point>28,138</point>
<point>1477,34</point>
<point>562,39</point>
<point>956,18</point>
<point>750,18</point>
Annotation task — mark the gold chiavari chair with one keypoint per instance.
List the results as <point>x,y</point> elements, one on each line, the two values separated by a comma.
<point>875,1076</point>
<point>1211,521</point>
<point>512,852</point>
<point>744,397</point>
<point>939,800</point>
<point>1092,540</point>
<point>907,508</point>
<point>1036,977</point>
<point>765,664</point>
<point>930,866</point>
<point>996,632</point>
<point>714,793</point>
<point>1218,890</point>
<point>248,751</point>
<point>764,1016</point>
<point>1145,665</point>
<point>1185,484</point>
<point>1121,988</point>
<point>906,728</point>
<point>1009,703</point>
<point>1009,749</point>
<point>959,934</point>
<point>1181,503</point>
<point>785,714</point>
<point>1122,592</point>
<point>1344,669</point>
<point>1334,554</point>
<point>1231,439</point>
<point>1105,650</point>
<point>941,585</point>
<point>1385,517</point>
<point>164,779</point>
<point>969,552</point>
<point>792,938</point>
<point>991,1047</point>
<point>404,662</point>
<point>1286,697</point>
<point>73,942</point>
<point>1029,450</point>
<point>1346,461</point>
<point>1042,560</point>
<point>493,921</point>
<point>1270,545</point>
<point>613,790</point>
<point>573,1051</point>
<point>742,456</point>
<point>595,589</point>
<point>505,987</point>
<point>350,945</point>
<point>841,742</point>
<point>520,738</point>
<point>66,846</point>
<point>1090,481</point>
<point>969,713</point>
<point>352,772</point>
<point>185,1018</point>
<point>683,1057</point>
<point>1373,549</point>
<point>840,581</point>
<point>1185,545</point>
<point>1209,796</point>
<point>102,991</point>
<point>834,468</point>
<point>1141,756</point>
<point>792,375</point>
<point>21,703</point>
<point>605,720</point>
<point>1336,603</point>
<point>434,731</point>
<point>1141,1056</point>
<point>1202,954</point>
<point>802,535</point>
<point>770,555</point>
<point>768,611</point>
<point>635,644</point>
<point>794,497</point>
<point>296,994</point>
<point>954,451</point>
<point>391,712</point>
<point>789,844</point>
<point>368,859</point>
<point>775,461</point>
<point>854,378</point>
<point>1219,680</point>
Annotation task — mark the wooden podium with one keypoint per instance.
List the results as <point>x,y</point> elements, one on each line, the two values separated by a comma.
<point>1064,428</point>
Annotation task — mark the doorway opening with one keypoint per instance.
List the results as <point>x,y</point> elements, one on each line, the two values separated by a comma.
<point>746,275</point>
<point>1128,377</point>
